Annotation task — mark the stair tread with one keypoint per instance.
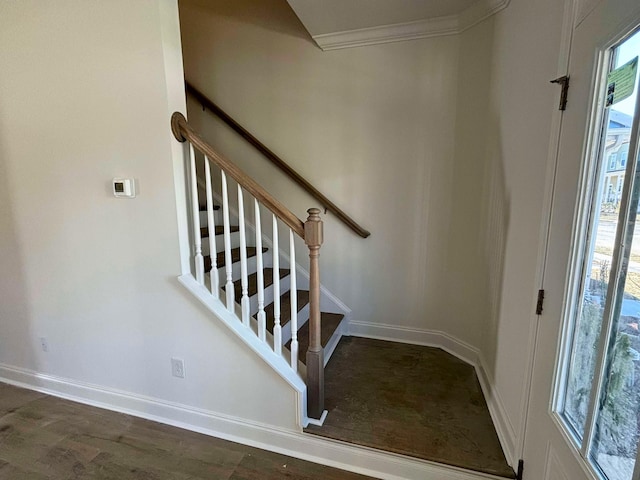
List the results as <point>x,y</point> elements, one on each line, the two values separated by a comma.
<point>253,282</point>
<point>285,308</point>
<point>203,208</point>
<point>330,322</point>
<point>235,257</point>
<point>204,231</point>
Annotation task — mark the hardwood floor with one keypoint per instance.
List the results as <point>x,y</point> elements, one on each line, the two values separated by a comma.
<point>47,438</point>
<point>413,400</point>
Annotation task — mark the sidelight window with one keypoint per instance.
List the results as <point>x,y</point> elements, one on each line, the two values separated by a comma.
<point>598,398</point>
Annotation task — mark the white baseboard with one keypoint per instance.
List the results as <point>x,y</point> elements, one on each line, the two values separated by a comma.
<point>336,454</point>
<point>459,349</point>
<point>502,422</point>
<point>416,336</point>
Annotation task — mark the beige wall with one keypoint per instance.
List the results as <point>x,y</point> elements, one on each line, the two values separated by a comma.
<point>86,90</point>
<point>372,128</point>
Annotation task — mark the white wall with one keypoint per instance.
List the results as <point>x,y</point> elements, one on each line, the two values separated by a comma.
<point>467,279</point>
<point>86,92</point>
<point>372,128</point>
<point>503,138</point>
<point>527,60</point>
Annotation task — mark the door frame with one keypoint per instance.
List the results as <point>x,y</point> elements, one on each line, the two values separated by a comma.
<point>571,10</point>
<point>575,12</point>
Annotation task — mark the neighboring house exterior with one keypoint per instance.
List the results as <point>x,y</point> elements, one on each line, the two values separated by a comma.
<point>615,155</point>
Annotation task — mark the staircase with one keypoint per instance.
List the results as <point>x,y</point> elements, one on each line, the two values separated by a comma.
<point>247,272</point>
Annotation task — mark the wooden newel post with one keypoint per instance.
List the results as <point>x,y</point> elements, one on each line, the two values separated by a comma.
<point>313,236</point>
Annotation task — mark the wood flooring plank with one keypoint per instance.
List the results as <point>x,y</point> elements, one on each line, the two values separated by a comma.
<point>165,460</point>
<point>264,465</point>
<point>24,440</point>
<point>12,398</point>
<point>48,438</point>
<point>108,466</point>
<point>11,472</point>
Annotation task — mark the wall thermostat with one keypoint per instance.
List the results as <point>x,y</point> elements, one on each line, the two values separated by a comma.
<point>124,187</point>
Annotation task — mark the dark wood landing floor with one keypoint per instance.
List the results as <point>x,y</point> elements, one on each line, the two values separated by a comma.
<point>43,437</point>
<point>412,400</point>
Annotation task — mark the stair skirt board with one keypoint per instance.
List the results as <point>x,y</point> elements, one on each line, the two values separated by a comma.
<point>332,453</point>
<point>462,350</point>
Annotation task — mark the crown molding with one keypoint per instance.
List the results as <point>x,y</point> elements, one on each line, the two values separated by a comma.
<point>400,32</point>
<point>480,11</point>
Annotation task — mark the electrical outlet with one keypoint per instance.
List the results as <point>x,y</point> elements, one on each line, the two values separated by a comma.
<point>177,367</point>
<point>44,344</point>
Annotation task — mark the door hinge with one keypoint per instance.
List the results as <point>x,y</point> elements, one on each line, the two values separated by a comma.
<point>540,302</point>
<point>564,81</point>
<point>520,469</point>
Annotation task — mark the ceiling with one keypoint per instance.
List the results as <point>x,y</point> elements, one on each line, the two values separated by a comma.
<point>331,16</point>
<point>337,24</point>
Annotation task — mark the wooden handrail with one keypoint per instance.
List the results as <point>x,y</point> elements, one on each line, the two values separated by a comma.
<point>277,161</point>
<point>183,131</point>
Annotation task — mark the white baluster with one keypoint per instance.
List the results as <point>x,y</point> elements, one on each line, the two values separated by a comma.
<point>262,317</point>
<point>195,205</point>
<point>227,246</point>
<point>277,328</point>
<point>246,307</point>
<point>215,279</point>
<point>294,304</point>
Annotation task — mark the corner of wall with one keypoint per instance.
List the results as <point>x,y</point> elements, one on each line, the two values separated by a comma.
<point>176,102</point>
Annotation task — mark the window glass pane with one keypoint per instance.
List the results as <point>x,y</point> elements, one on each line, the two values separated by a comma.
<point>624,151</point>
<point>616,429</point>
<point>598,254</point>
<point>595,280</point>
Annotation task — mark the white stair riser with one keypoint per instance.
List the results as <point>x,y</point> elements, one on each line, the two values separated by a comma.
<point>268,295</point>
<point>236,272</point>
<point>217,218</point>
<point>235,242</point>
<point>252,267</point>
